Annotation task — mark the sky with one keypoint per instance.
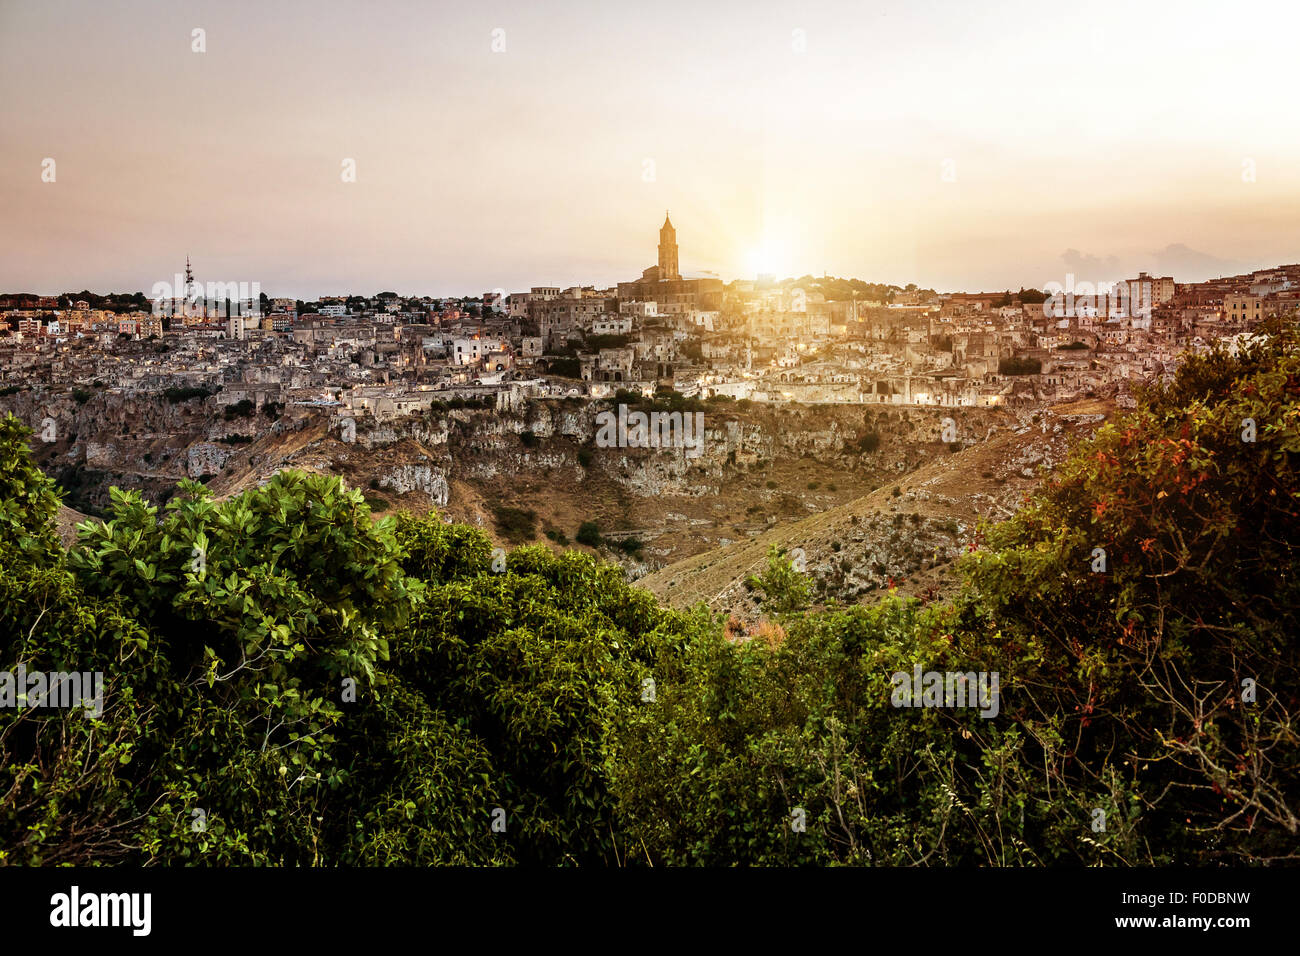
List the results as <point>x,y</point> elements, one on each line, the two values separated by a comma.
<point>502,145</point>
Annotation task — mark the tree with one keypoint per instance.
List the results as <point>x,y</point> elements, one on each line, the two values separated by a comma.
<point>1019,365</point>
<point>784,587</point>
<point>1150,682</point>
<point>289,682</point>
<point>64,796</point>
<point>1171,533</point>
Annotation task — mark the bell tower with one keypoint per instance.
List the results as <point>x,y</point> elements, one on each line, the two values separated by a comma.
<point>668,250</point>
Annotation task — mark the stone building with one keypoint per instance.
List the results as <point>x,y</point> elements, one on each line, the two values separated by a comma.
<point>664,283</point>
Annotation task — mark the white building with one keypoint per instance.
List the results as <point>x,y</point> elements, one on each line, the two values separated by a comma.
<point>612,325</point>
<point>468,350</point>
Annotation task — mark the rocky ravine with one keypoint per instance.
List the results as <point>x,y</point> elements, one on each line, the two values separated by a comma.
<point>907,535</point>
<point>761,468</point>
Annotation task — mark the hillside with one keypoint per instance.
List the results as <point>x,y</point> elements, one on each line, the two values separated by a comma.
<point>609,730</point>
<point>761,467</point>
<point>910,539</point>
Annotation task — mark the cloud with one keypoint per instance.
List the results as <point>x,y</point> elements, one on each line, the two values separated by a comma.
<point>1188,265</point>
<point>1088,266</point>
<point>1177,259</point>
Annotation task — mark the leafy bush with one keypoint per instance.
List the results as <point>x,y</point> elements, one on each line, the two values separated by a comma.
<point>783,587</point>
<point>175,395</point>
<point>630,546</point>
<point>1154,690</point>
<point>534,662</point>
<point>1019,366</point>
<point>220,629</point>
<point>597,342</point>
<point>665,400</point>
<point>869,442</point>
<point>1198,594</point>
<point>65,790</point>
<point>589,534</point>
<point>473,402</point>
<point>322,689</point>
<point>516,524</point>
<point>565,367</point>
<point>244,408</point>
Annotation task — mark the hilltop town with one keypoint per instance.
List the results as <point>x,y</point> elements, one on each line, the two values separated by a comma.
<point>809,340</point>
<point>814,396</point>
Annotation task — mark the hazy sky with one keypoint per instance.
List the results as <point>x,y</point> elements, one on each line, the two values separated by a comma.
<point>1097,138</point>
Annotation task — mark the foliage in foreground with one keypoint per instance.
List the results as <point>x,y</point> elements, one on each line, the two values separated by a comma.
<point>288,681</point>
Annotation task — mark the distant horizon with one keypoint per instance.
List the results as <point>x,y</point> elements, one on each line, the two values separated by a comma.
<point>726,282</point>
<point>1080,269</point>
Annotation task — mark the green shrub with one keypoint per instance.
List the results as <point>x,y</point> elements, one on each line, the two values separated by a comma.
<point>244,408</point>
<point>175,395</point>
<point>566,367</point>
<point>782,586</point>
<point>1019,366</point>
<point>630,546</point>
<point>868,443</point>
<point>324,689</point>
<point>516,525</point>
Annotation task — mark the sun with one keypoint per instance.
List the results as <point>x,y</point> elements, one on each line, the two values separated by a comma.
<point>768,258</point>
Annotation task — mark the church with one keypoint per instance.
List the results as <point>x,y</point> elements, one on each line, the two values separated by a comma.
<point>664,284</point>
